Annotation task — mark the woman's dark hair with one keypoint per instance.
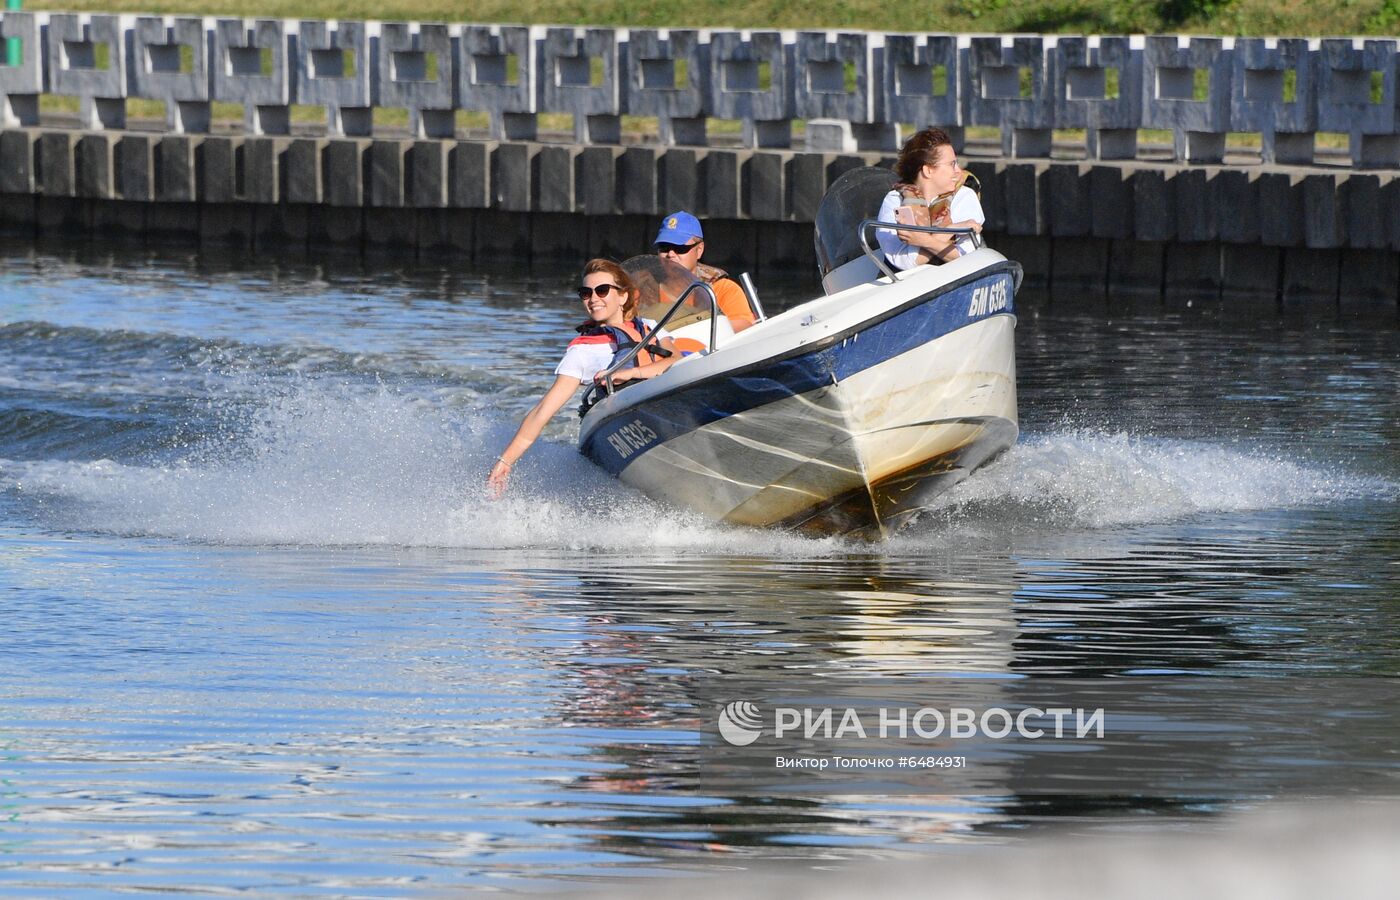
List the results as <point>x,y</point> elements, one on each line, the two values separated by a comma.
<point>621,279</point>
<point>920,150</point>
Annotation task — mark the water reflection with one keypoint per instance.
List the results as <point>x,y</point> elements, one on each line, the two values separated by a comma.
<point>255,610</point>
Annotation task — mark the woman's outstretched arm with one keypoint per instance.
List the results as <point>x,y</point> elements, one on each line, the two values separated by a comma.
<point>554,399</point>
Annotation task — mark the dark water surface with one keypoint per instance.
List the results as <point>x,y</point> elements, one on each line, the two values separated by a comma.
<point>262,631</point>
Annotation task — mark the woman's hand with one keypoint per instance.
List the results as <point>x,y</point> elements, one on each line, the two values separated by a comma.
<point>619,376</point>
<point>499,479</point>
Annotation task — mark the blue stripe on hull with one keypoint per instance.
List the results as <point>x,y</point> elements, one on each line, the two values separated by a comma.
<point>630,433</point>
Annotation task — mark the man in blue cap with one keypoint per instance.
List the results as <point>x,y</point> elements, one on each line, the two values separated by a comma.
<point>682,240</point>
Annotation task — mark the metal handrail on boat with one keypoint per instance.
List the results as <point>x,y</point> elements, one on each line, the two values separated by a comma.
<point>746,283</point>
<point>879,258</point>
<point>670,313</point>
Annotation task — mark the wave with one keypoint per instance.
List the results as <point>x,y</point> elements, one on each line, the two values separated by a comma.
<point>323,464</point>
<point>66,352</point>
<point>1100,480</point>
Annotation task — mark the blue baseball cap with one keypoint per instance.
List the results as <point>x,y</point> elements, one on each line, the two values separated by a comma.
<point>678,228</point>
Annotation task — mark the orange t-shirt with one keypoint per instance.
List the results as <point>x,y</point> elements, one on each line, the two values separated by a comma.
<point>733,303</point>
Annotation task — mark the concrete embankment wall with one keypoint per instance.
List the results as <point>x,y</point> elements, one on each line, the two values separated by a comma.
<point>1300,234</point>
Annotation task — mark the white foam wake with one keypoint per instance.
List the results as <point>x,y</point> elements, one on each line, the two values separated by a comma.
<point>1102,480</point>
<point>326,464</point>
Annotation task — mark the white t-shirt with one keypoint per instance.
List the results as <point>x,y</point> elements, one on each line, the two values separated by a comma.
<point>965,206</point>
<point>583,361</point>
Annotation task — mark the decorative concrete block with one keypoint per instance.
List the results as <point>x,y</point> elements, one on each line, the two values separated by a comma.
<point>215,175</point>
<point>73,48</point>
<point>92,167</point>
<point>1257,102</point>
<point>1361,199</point>
<point>426,174</point>
<point>832,76</point>
<point>55,156</point>
<point>922,80</point>
<point>1068,203</point>
<point>636,181</point>
<point>385,183</point>
<point>1111,206</point>
<point>301,171</point>
<point>496,73</point>
<point>1196,206</point>
<point>158,71</point>
<point>995,93</point>
<point>16,162</point>
<point>1079,76</point>
<point>749,81</point>
<point>654,62</point>
<point>1154,208</point>
<point>552,176</point>
<point>568,83</point>
<point>1280,210</point>
<point>719,178</point>
<point>21,85</point>
<point>333,69</point>
<point>1324,222</point>
<point>595,180</point>
<point>678,180</point>
<point>415,71</point>
<point>510,179</point>
<point>249,66</point>
<point>1236,202</point>
<point>1024,212</point>
<point>469,167</point>
<point>1169,100</point>
<point>258,164</point>
<point>762,187</point>
<point>342,172</point>
<point>806,185</point>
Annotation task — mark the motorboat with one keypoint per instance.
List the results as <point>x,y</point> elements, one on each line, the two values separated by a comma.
<point>845,414</point>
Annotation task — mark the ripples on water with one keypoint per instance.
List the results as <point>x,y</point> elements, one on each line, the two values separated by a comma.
<point>263,630</point>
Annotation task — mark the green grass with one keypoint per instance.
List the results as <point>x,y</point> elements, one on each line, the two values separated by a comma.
<point>1231,17</point>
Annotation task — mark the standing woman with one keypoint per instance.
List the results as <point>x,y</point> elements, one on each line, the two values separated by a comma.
<point>610,298</point>
<point>928,170</point>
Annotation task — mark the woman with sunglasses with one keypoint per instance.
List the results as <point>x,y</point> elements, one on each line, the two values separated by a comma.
<point>610,298</point>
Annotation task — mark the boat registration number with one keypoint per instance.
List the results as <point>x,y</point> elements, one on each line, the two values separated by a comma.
<point>989,298</point>
<point>631,437</point>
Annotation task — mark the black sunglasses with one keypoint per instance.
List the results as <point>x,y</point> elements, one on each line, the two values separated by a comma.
<point>677,248</point>
<point>601,290</point>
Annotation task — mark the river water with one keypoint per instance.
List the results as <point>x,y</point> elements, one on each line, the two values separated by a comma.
<point>262,630</point>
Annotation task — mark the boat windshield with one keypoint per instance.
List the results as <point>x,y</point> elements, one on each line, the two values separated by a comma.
<point>661,281</point>
<point>853,197</point>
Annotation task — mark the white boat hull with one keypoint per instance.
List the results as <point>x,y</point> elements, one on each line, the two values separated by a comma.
<point>886,396</point>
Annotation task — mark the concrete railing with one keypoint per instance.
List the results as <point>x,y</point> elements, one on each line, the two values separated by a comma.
<point>854,90</point>
<point>1077,227</point>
